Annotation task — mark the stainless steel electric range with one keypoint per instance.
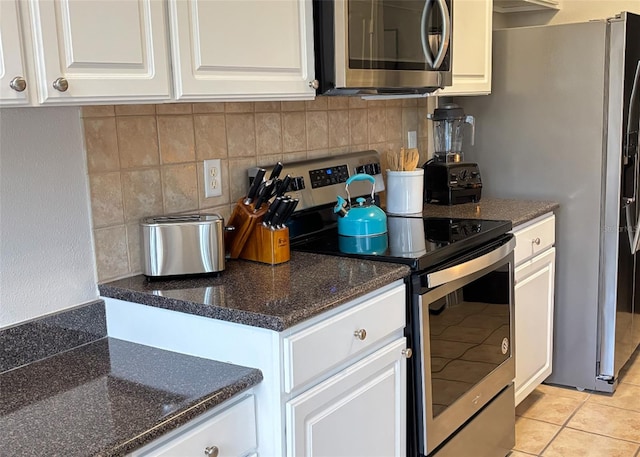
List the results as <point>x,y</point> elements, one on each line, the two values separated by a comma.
<point>459,309</point>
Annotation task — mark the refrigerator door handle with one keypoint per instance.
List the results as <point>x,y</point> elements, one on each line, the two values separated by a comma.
<point>630,153</point>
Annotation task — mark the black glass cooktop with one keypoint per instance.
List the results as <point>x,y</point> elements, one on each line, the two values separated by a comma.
<point>418,242</point>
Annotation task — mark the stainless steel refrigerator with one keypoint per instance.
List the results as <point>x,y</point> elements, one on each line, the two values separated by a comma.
<point>562,124</point>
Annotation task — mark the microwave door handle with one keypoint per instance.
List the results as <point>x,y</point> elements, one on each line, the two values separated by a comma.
<point>438,278</point>
<point>446,33</point>
<point>435,62</point>
<point>424,35</point>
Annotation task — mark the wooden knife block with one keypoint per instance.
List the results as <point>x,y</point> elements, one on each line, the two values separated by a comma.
<point>267,246</point>
<point>243,220</point>
<point>251,240</point>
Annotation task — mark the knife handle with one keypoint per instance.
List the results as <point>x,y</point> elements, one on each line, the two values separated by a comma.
<point>273,208</point>
<point>264,193</point>
<point>283,185</point>
<point>288,211</point>
<point>257,180</point>
<point>276,170</point>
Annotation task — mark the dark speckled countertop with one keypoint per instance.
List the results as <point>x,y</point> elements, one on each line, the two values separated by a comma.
<point>108,398</point>
<point>273,297</point>
<point>516,211</point>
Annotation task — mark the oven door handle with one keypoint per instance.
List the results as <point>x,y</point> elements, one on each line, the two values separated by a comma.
<point>438,278</point>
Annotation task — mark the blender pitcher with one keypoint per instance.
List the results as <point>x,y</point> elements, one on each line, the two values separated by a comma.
<point>448,124</point>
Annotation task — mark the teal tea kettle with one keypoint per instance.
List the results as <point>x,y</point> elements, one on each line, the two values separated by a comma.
<point>362,228</point>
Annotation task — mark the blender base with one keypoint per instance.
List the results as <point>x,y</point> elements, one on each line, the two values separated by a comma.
<point>452,183</point>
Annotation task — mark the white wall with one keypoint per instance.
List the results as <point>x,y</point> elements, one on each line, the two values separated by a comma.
<point>46,250</point>
<point>570,11</point>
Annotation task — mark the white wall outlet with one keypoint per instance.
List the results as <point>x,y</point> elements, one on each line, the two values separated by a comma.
<point>412,139</point>
<point>212,178</point>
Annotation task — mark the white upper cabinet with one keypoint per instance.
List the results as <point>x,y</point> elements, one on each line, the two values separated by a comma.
<point>518,6</point>
<point>471,47</point>
<point>242,50</point>
<point>100,51</point>
<point>14,89</point>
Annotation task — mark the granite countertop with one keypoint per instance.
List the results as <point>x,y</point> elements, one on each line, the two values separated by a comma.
<point>516,211</point>
<point>108,398</point>
<point>272,297</point>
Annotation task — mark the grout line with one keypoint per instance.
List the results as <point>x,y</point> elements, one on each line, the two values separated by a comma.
<point>637,443</point>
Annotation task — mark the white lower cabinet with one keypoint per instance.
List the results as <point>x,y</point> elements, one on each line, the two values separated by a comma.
<point>227,431</point>
<point>334,385</point>
<point>534,302</point>
<point>358,412</point>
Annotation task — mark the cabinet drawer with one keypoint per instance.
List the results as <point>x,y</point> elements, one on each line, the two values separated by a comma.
<point>327,344</point>
<point>232,431</point>
<point>534,238</point>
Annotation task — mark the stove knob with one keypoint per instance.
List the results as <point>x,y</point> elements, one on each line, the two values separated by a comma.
<point>297,183</point>
<point>368,169</point>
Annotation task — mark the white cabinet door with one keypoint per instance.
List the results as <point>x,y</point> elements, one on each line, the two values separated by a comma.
<point>105,50</point>
<point>534,322</point>
<point>11,56</point>
<point>237,50</point>
<point>358,412</point>
<point>471,47</point>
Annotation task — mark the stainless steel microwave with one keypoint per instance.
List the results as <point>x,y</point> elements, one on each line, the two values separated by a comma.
<point>382,46</point>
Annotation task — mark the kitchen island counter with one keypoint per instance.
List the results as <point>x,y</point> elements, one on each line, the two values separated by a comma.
<point>516,211</point>
<point>259,295</point>
<point>109,397</point>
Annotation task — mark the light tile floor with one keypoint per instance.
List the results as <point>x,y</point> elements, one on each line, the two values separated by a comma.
<point>562,422</point>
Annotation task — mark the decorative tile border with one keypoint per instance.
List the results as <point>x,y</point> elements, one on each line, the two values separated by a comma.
<point>49,335</point>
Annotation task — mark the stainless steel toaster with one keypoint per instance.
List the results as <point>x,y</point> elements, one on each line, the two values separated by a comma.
<point>183,244</point>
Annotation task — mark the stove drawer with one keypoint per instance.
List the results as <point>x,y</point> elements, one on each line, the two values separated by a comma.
<point>534,238</point>
<point>332,342</point>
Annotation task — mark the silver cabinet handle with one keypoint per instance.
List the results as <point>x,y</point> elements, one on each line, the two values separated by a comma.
<point>314,84</point>
<point>61,85</point>
<point>211,451</point>
<point>407,353</point>
<point>536,241</point>
<point>360,334</point>
<point>18,84</point>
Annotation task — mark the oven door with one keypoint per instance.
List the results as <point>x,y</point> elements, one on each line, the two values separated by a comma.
<point>463,327</point>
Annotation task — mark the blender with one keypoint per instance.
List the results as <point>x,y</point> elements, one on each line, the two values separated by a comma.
<point>448,179</point>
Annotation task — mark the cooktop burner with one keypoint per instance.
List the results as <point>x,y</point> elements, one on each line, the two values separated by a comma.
<point>418,242</point>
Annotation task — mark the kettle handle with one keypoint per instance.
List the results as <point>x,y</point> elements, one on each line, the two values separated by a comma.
<point>360,177</point>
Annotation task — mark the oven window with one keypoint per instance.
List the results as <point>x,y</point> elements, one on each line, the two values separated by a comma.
<point>386,34</point>
<point>469,336</point>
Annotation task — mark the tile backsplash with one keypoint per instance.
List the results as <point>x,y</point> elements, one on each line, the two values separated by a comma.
<point>147,160</point>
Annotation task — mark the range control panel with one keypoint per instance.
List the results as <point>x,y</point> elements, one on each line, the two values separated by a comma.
<point>319,181</point>
<point>327,176</point>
